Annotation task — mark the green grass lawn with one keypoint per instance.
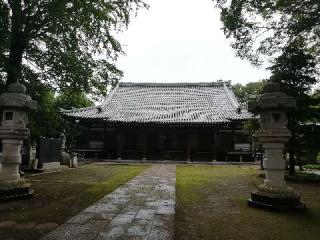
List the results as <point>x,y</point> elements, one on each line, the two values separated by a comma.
<point>211,204</point>
<point>61,195</point>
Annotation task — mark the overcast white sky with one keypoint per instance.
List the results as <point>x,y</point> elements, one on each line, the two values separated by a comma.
<point>181,41</point>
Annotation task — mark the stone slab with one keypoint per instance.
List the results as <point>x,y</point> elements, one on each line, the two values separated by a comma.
<point>143,208</point>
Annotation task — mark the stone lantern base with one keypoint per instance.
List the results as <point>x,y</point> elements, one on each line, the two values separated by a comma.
<point>15,190</point>
<point>276,199</point>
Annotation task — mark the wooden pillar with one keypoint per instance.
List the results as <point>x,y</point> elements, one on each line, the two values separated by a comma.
<point>214,146</point>
<point>144,146</point>
<point>234,144</point>
<point>105,146</point>
<point>233,139</point>
<point>189,140</point>
<point>120,145</point>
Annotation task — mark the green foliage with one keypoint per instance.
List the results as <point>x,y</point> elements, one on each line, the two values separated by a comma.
<point>67,45</point>
<point>47,121</point>
<point>247,92</point>
<point>287,33</point>
<point>295,70</point>
<point>251,126</point>
<point>69,100</point>
<point>312,166</point>
<point>308,136</point>
<point>303,177</point>
<point>260,29</point>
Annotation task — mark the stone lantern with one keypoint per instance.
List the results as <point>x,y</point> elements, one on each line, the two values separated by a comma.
<point>274,194</point>
<point>13,104</point>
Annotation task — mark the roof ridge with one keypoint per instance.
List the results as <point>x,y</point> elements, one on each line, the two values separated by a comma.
<point>231,96</point>
<point>108,99</point>
<point>172,84</point>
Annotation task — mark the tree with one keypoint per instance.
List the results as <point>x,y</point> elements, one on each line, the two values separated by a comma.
<point>69,100</point>
<point>47,121</point>
<point>260,29</point>
<point>295,70</point>
<point>246,92</point>
<point>63,44</point>
<point>286,33</point>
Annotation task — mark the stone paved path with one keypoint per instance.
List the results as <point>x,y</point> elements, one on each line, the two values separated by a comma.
<point>143,208</point>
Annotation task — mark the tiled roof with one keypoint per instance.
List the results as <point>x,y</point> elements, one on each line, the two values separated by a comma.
<point>166,103</point>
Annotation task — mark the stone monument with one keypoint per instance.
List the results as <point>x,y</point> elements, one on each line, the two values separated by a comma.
<point>274,194</point>
<point>14,103</point>
<point>65,157</point>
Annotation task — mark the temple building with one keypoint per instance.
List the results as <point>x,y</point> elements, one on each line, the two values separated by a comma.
<point>165,121</point>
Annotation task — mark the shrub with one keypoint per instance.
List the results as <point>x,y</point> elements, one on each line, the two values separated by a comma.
<point>312,166</point>
<point>303,177</point>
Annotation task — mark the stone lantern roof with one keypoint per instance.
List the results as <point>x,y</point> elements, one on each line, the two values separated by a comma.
<point>16,98</point>
<point>270,98</point>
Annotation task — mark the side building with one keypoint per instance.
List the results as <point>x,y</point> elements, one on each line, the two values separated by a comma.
<point>165,121</point>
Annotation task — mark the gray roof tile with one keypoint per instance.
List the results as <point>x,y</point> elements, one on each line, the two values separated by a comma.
<point>166,103</point>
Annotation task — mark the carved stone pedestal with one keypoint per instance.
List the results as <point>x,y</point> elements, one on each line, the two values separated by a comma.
<point>17,191</point>
<point>276,199</point>
<point>12,186</point>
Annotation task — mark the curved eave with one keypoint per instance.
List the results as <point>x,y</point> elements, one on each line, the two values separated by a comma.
<point>224,123</point>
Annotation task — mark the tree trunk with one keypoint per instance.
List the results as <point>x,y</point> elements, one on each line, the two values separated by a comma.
<point>261,162</point>
<point>300,162</point>
<point>292,144</point>
<point>18,42</point>
<point>292,162</point>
